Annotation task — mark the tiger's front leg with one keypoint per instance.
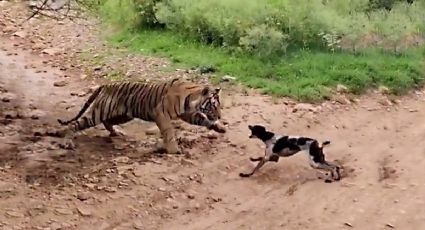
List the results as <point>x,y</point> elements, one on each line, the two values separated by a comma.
<point>200,119</point>
<point>167,132</point>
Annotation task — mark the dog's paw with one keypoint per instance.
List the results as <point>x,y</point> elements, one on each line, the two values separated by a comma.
<point>328,180</point>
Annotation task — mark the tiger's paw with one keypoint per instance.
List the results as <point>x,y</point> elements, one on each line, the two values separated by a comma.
<point>218,128</point>
<point>117,133</point>
<point>68,144</point>
<point>173,149</point>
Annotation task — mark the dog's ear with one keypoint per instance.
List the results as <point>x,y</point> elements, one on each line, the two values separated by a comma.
<point>250,127</point>
<point>323,144</point>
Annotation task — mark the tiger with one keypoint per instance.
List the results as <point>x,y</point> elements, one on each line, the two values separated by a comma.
<point>120,102</point>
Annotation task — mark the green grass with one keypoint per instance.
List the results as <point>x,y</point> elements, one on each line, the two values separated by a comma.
<point>304,75</point>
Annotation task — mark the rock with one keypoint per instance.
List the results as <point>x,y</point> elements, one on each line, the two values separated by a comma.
<point>341,88</point>
<point>84,196</point>
<point>137,224</point>
<point>216,199</point>
<point>383,90</point>
<point>304,107</point>
<point>36,114</point>
<point>14,214</point>
<point>103,225</point>
<point>51,51</point>
<point>138,171</point>
<point>97,68</point>
<point>21,34</point>
<point>60,83</point>
<point>121,160</point>
<point>110,189</point>
<point>211,135</point>
<point>8,29</point>
<point>191,195</point>
<point>63,211</point>
<point>7,97</point>
<point>389,225</point>
<point>228,78</point>
<point>38,46</point>
<point>385,102</point>
<point>154,130</point>
<point>12,115</point>
<point>84,211</point>
<point>55,226</point>
<point>342,100</point>
<point>348,224</point>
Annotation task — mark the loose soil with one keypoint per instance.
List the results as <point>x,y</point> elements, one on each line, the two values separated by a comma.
<point>121,183</point>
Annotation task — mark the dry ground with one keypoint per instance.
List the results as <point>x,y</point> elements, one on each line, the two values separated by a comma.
<point>121,184</point>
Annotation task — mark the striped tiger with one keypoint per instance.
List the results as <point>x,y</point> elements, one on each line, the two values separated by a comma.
<point>118,103</point>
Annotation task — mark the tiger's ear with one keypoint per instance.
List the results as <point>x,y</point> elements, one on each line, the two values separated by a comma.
<point>217,90</point>
<point>205,91</point>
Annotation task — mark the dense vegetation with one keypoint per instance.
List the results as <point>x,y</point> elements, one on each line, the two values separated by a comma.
<point>291,48</point>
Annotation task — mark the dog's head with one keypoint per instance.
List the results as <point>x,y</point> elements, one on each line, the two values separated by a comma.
<point>260,132</point>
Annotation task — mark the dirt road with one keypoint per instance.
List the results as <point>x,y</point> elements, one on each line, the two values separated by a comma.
<point>121,184</point>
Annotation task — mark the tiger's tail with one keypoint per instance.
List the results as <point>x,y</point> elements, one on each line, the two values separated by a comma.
<point>85,107</point>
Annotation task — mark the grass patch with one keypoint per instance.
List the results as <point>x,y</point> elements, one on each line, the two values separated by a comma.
<point>304,75</point>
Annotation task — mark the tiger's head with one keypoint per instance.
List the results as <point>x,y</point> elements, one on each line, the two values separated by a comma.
<point>211,106</point>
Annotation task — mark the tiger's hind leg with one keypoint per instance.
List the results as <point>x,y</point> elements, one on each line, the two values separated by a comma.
<point>109,125</point>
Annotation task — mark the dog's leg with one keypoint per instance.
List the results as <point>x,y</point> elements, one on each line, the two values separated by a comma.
<point>259,165</point>
<point>267,154</point>
<point>332,168</point>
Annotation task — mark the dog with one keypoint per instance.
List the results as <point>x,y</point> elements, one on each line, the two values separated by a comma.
<point>285,146</point>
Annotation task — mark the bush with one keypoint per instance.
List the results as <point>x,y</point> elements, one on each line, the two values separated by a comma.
<point>271,27</point>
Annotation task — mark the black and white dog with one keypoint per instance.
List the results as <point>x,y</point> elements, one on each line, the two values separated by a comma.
<point>285,146</point>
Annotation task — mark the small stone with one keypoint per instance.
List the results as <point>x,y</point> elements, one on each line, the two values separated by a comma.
<point>55,226</point>
<point>60,83</point>
<point>84,196</point>
<point>137,224</point>
<point>8,29</point>
<point>342,100</point>
<point>84,211</point>
<point>304,107</point>
<point>191,196</point>
<point>383,90</point>
<point>38,46</point>
<point>228,78</point>
<point>122,160</point>
<point>341,88</point>
<point>154,130</point>
<point>21,34</point>
<point>348,224</point>
<point>212,135</point>
<point>385,102</point>
<point>389,225</point>
<point>413,110</point>
<point>110,189</point>
<point>216,199</point>
<point>51,51</point>
<point>14,214</point>
<point>63,211</point>
<point>7,97</point>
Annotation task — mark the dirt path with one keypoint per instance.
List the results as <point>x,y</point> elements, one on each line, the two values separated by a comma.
<point>121,184</point>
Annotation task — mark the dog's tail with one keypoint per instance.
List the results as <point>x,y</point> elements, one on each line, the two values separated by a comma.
<point>325,143</point>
